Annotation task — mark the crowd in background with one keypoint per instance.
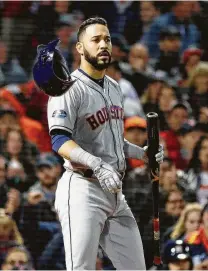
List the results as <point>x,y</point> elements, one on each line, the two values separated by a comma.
<point>160,60</point>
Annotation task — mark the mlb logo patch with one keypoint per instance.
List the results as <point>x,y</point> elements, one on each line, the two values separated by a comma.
<point>59,114</point>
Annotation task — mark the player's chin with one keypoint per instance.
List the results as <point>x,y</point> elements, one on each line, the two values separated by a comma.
<point>101,65</point>
<point>104,60</point>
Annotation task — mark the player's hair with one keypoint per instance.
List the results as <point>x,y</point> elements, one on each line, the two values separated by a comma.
<point>179,227</point>
<point>88,22</point>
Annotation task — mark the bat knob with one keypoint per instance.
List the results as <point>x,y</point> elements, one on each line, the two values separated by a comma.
<point>152,115</point>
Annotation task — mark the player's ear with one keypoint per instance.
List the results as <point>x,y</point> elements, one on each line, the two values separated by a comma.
<point>79,47</point>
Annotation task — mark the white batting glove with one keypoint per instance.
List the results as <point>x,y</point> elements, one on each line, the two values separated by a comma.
<point>108,177</point>
<point>159,156</point>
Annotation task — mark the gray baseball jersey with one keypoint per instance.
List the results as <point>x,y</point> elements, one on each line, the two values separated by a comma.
<point>89,215</point>
<point>94,117</point>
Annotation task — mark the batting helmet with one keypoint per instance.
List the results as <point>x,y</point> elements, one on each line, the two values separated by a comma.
<point>50,71</point>
<point>176,250</point>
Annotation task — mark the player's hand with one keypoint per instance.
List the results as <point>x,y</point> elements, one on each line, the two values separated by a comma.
<point>108,177</point>
<point>159,156</point>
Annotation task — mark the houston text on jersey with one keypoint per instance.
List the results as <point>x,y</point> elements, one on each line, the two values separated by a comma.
<point>102,115</point>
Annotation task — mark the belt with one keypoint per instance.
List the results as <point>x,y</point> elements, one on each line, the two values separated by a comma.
<point>88,173</point>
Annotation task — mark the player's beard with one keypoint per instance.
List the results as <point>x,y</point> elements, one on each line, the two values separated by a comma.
<point>94,61</point>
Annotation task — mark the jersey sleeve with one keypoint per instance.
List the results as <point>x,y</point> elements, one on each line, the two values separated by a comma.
<point>62,112</point>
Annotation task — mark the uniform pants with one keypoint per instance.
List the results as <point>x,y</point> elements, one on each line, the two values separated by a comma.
<point>90,216</point>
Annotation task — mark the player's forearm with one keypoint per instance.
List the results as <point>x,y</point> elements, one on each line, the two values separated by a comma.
<point>72,151</point>
<point>133,151</point>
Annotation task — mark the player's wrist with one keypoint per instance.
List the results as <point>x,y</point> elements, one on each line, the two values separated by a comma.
<point>94,162</point>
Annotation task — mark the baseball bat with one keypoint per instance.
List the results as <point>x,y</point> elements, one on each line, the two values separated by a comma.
<point>153,145</point>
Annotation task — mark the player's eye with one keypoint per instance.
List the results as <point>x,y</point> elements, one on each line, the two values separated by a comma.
<point>108,40</point>
<point>95,40</point>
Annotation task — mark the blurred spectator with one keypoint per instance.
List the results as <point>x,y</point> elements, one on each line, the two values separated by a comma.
<point>168,176</point>
<point>147,12</point>
<point>9,234</point>
<point>190,59</point>
<point>17,21</point>
<point>136,183</point>
<point>39,215</point>
<point>44,189</point>
<point>189,221</point>
<point>29,101</point>
<point>117,13</point>
<point>131,102</point>
<point>119,47</point>
<point>10,69</point>
<point>167,99</point>
<point>138,60</point>
<point>172,178</point>
<point>69,12</point>
<point>9,196</point>
<point>45,26</point>
<point>177,116</point>
<point>56,161</point>
<point>138,69</point>
<point>16,147</point>
<point>168,62</point>
<point>171,205</point>
<point>21,157</point>
<point>64,32</point>
<point>53,256</point>
<point>202,266</point>
<point>174,203</point>
<point>135,131</point>
<point>151,95</point>
<point>197,177</point>
<point>179,17</point>
<point>200,19</point>
<point>12,115</point>
<point>177,255</point>
<point>198,84</point>
<point>188,136</point>
<point>17,259</point>
<point>57,11</point>
<point>203,115</point>
<point>198,242</point>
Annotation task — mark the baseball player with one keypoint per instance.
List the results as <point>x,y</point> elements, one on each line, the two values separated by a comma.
<point>85,117</point>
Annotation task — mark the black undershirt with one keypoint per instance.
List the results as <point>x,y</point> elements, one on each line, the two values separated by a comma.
<point>100,82</point>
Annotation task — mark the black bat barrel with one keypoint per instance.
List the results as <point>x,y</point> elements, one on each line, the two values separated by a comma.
<point>153,139</point>
<point>153,146</point>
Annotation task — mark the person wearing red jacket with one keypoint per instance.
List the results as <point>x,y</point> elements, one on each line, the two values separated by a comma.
<point>176,118</point>
<point>33,129</point>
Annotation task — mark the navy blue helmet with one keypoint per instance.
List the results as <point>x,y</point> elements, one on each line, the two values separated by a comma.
<point>50,71</point>
<point>176,250</point>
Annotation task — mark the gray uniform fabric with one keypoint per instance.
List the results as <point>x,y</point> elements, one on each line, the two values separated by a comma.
<point>89,215</point>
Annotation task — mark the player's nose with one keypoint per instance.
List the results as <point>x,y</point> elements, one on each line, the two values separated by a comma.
<point>103,44</point>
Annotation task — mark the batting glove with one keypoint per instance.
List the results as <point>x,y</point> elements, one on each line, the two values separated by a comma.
<point>159,156</point>
<point>108,177</point>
